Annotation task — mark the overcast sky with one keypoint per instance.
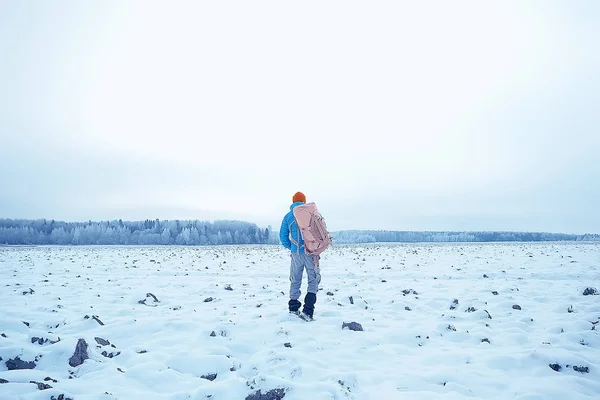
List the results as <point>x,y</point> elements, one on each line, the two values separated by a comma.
<point>389,115</point>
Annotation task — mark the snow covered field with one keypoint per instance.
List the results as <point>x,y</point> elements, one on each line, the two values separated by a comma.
<point>451,321</point>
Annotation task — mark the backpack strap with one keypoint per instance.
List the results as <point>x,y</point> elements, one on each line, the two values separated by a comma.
<point>297,243</point>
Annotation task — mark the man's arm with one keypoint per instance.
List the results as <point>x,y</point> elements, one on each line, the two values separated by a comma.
<point>284,234</point>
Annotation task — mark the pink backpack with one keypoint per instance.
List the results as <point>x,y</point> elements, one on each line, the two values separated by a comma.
<point>312,227</point>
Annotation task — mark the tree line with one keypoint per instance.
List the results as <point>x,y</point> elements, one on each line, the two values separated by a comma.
<point>195,232</point>
<point>357,236</point>
<point>118,232</point>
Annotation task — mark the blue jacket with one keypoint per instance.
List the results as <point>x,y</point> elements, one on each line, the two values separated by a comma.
<point>289,227</point>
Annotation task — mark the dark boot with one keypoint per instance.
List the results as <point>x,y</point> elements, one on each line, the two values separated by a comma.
<point>294,305</point>
<point>309,304</point>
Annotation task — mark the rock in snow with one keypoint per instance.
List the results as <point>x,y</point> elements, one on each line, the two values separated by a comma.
<point>17,363</point>
<point>154,300</point>
<point>60,397</point>
<point>80,354</point>
<point>95,318</point>
<point>273,394</point>
<point>101,341</point>
<point>590,291</point>
<point>353,326</point>
<point>210,377</point>
<point>555,367</point>
<point>583,370</point>
<point>454,304</point>
<point>41,386</point>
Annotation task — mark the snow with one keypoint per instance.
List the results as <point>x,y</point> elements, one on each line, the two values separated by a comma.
<point>412,344</point>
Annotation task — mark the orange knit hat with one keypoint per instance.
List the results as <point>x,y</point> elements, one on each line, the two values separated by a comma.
<point>299,196</point>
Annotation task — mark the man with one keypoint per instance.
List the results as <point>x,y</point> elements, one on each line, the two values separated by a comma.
<point>291,239</point>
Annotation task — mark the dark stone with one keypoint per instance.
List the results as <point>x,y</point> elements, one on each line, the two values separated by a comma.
<point>454,304</point>
<point>351,300</point>
<point>95,318</point>
<point>471,309</point>
<point>495,293</point>
<point>228,287</point>
<point>516,307</point>
<point>3,381</point>
<point>17,363</point>
<point>407,308</point>
<point>101,341</point>
<point>409,291</point>
<point>488,314</point>
<point>486,340</point>
<point>353,326</point>
<point>26,323</point>
<point>41,386</point>
<point>42,341</point>
<point>213,334</point>
<point>3,335</point>
<point>451,327</point>
<point>210,377</point>
<point>147,296</point>
<point>80,354</point>
<point>60,397</point>
<point>273,394</point>
<point>590,291</point>
<point>142,352</point>
<point>289,345</point>
<point>48,379</point>
<point>208,299</point>
<point>583,370</point>
<point>555,367</point>
<point>485,276</point>
<point>570,309</point>
<point>329,294</point>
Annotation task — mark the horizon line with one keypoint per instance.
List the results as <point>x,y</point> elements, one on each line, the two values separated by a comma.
<point>274,230</point>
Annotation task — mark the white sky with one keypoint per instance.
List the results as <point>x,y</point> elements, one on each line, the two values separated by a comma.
<point>389,114</point>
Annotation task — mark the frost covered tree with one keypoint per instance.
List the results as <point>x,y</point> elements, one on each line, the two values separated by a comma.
<point>148,232</point>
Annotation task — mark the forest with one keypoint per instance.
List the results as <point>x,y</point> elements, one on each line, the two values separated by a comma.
<point>148,232</point>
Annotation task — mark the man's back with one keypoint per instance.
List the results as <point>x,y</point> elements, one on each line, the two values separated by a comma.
<point>289,234</point>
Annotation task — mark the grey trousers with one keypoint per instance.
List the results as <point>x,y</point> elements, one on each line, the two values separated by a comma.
<point>299,263</point>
